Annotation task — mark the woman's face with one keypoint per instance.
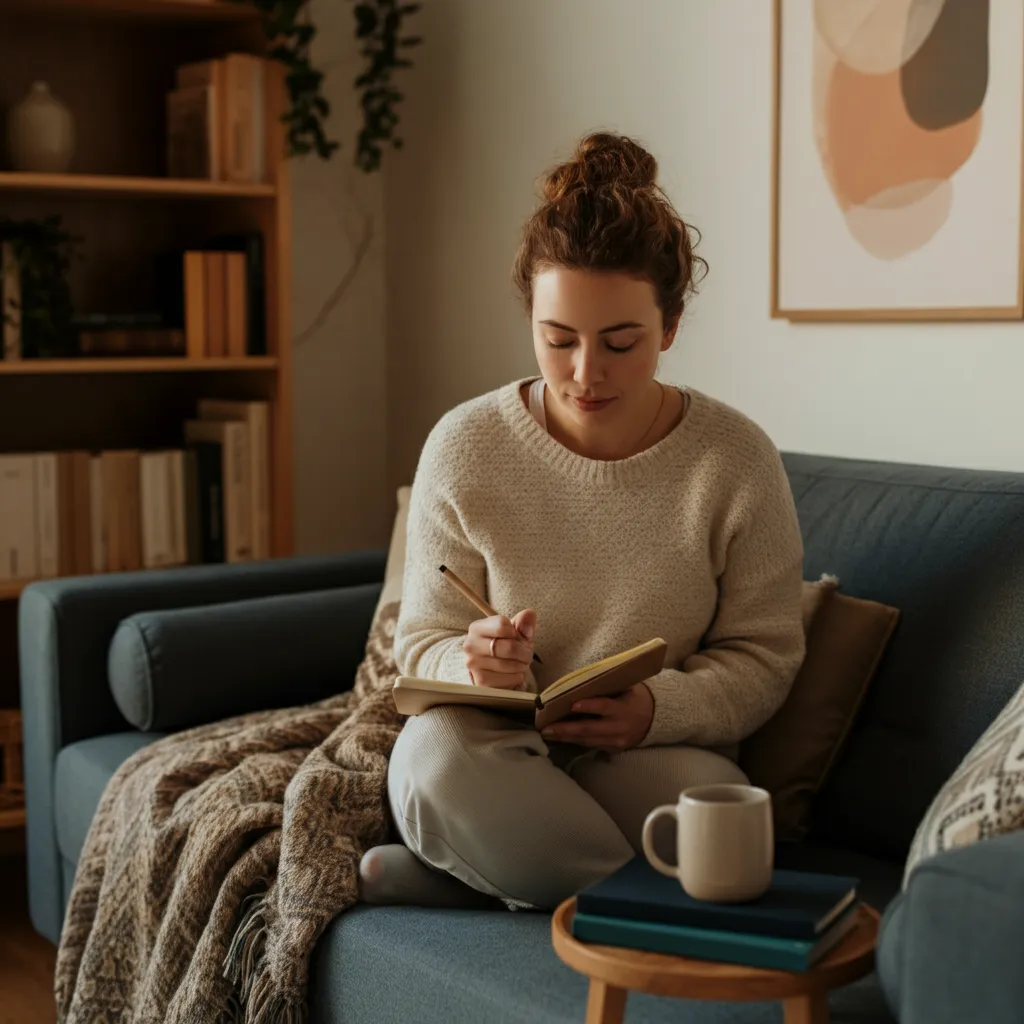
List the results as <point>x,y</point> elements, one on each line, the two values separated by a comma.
<point>597,337</point>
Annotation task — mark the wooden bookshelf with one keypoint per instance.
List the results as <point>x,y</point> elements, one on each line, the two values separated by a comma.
<point>111,62</point>
<point>127,185</point>
<point>161,10</point>
<point>13,817</point>
<point>137,364</point>
<point>10,589</point>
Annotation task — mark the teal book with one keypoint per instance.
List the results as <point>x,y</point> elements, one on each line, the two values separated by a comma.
<point>797,904</point>
<point>745,948</point>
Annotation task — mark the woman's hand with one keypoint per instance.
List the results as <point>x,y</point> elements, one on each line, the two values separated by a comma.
<point>623,722</point>
<point>499,650</point>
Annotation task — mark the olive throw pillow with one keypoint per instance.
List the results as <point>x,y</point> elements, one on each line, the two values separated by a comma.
<point>791,754</point>
<point>984,797</point>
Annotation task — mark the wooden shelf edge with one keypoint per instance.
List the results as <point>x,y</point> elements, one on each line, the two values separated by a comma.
<point>114,184</point>
<point>12,818</point>
<point>139,364</point>
<point>178,10</point>
<point>11,589</point>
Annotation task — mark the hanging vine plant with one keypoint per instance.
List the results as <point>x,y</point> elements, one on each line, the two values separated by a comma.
<point>379,24</point>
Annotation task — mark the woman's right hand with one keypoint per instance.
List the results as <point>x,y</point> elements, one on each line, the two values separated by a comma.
<point>499,650</point>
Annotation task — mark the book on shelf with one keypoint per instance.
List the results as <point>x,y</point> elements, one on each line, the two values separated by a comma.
<point>604,678</point>
<point>236,483</point>
<point>162,488</point>
<point>215,288</point>
<point>213,294</point>
<point>235,84</point>
<point>194,132</point>
<point>797,904</point>
<point>194,282</point>
<point>752,950</point>
<point>206,482</point>
<point>247,245</point>
<point>256,415</point>
<point>122,518</point>
<point>10,303</point>
<point>19,544</point>
<point>132,341</point>
<point>68,513</point>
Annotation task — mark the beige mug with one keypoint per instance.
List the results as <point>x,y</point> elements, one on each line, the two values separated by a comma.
<point>726,845</point>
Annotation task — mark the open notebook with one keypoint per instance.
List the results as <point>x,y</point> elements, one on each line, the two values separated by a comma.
<point>604,678</point>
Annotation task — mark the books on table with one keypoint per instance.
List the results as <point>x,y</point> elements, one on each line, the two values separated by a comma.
<point>801,917</point>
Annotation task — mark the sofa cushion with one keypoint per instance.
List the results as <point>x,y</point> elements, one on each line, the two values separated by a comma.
<point>494,966</point>
<point>791,754</point>
<point>984,797</point>
<point>80,776</point>
<point>499,967</point>
<point>950,944</point>
<point>945,547</point>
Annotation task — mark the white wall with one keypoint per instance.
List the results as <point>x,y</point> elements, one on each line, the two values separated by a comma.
<point>340,416</point>
<point>502,89</point>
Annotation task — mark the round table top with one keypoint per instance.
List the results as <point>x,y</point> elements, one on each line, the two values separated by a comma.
<point>667,975</point>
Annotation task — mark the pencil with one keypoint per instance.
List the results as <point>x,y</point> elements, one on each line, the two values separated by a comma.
<point>474,598</point>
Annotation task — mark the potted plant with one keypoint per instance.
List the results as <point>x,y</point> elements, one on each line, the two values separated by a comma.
<point>43,251</point>
<point>379,26</point>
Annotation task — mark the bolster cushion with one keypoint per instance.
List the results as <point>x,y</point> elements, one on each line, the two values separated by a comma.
<point>178,668</point>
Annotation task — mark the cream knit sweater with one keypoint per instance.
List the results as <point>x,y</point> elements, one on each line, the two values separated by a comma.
<point>694,540</point>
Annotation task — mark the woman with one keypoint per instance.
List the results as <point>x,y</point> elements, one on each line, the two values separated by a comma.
<point>602,508</point>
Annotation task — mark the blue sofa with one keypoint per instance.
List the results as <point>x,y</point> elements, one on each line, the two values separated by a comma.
<point>944,546</point>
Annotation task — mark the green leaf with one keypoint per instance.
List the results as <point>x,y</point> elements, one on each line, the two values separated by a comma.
<point>285,55</point>
<point>366,20</point>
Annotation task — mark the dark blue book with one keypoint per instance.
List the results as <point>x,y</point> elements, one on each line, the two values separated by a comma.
<point>765,951</point>
<point>798,905</point>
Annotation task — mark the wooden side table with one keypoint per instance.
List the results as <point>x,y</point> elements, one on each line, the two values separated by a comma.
<point>613,971</point>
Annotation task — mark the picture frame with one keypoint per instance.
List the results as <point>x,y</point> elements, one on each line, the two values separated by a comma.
<point>897,196</point>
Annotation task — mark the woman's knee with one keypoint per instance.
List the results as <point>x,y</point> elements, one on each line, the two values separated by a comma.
<point>441,756</point>
<point>426,750</point>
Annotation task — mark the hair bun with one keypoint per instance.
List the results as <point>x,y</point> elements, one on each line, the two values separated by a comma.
<point>602,158</point>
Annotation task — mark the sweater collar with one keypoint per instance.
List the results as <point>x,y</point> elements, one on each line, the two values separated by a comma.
<point>633,469</point>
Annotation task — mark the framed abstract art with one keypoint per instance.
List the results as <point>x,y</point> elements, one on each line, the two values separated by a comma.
<point>897,158</point>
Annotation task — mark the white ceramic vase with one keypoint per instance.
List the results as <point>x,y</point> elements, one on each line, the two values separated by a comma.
<point>41,133</point>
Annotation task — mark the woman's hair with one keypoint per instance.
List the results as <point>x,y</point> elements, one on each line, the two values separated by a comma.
<point>603,210</point>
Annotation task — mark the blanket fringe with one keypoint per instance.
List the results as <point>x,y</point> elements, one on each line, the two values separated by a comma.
<point>245,966</point>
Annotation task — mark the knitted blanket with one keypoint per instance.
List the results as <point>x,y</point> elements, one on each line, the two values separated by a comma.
<point>218,856</point>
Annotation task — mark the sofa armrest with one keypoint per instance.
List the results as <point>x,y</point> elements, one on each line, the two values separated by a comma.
<point>64,632</point>
<point>950,945</point>
<point>188,666</point>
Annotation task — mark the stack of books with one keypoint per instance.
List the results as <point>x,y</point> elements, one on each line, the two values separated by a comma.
<point>801,917</point>
<point>74,512</point>
<point>216,122</point>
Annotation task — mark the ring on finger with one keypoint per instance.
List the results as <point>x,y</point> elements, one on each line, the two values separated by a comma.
<point>493,639</point>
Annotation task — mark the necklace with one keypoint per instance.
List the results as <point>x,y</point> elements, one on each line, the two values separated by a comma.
<point>657,416</point>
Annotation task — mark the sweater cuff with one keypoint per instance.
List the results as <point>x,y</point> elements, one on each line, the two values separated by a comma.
<point>669,722</point>
<point>451,662</point>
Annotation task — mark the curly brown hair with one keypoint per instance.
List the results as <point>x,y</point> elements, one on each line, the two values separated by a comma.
<point>604,211</point>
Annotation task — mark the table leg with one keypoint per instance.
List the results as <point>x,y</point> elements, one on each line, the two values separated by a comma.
<point>807,1009</point>
<point>606,1004</point>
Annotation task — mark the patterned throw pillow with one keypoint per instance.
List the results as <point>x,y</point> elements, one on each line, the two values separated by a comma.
<point>984,797</point>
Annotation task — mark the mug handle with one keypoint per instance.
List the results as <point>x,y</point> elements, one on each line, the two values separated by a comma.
<point>671,870</point>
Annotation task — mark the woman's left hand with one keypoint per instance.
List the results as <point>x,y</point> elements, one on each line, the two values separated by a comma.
<point>623,721</point>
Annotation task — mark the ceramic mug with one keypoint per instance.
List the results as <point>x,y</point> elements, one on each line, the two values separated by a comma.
<point>726,842</point>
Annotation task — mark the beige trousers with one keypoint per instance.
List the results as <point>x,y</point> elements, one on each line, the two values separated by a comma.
<point>487,799</point>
